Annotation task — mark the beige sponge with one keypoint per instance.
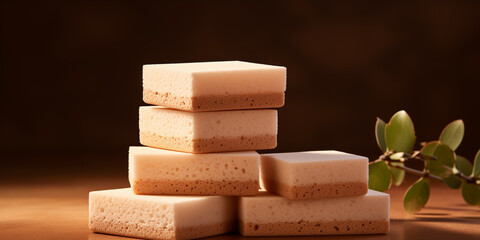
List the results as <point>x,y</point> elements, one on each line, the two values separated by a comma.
<point>209,86</point>
<point>158,171</point>
<point>315,174</point>
<point>121,212</point>
<point>271,215</point>
<point>203,132</point>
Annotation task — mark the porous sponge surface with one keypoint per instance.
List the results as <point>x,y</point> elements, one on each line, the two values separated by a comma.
<point>118,212</point>
<point>156,164</point>
<point>268,208</point>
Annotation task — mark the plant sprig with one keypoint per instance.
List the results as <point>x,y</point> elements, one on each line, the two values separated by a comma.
<point>397,138</point>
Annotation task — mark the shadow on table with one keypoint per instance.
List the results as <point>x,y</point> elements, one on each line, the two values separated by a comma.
<point>236,236</point>
<point>419,228</point>
<point>410,229</point>
<point>432,218</point>
<point>456,208</point>
<point>101,236</point>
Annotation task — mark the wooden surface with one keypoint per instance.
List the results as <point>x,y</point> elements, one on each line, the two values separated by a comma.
<point>58,209</point>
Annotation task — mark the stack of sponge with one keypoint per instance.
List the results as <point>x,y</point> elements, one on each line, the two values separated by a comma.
<point>198,173</point>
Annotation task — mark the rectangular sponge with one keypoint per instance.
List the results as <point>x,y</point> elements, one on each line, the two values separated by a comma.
<point>203,132</point>
<point>209,86</point>
<point>158,171</point>
<point>121,212</point>
<point>271,215</point>
<point>314,174</point>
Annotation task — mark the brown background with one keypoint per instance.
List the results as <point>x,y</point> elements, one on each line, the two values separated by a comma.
<point>71,72</point>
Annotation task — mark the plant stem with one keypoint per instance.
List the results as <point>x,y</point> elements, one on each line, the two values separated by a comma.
<point>415,172</point>
<point>418,156</point>
<point>467,178</point>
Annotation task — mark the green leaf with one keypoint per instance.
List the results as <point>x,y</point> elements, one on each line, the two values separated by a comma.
<point>400,133</point>
<point>471,193</point>
<point>379,178</point>
<point>380,134</point>
<point>463,165</point>
<point>445,158</point>
<point>397,174</point>
<point>452,134</point>
<point>416,196</point>
<point>453,181</point>
<point>476,165</point>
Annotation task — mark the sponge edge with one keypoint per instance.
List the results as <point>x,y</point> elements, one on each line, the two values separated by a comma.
<point>295,175</point>
<point>210,86</point>
<point>271,215</point>
<point>121,212</point>
<point>158,171</point>
<point>207,132</point>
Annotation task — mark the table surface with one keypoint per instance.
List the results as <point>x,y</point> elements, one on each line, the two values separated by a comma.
<point>58,209</point>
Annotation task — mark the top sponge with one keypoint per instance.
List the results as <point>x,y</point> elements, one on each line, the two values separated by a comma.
<point>209,86</point>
